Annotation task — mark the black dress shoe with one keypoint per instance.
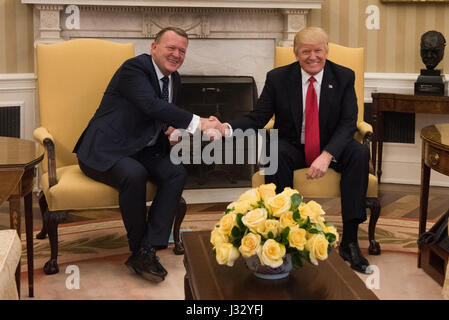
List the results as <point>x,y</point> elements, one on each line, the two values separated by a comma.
<point>351,252</point>
<point>145,263</point>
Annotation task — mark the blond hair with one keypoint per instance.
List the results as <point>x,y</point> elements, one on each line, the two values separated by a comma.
<point>310,35</point>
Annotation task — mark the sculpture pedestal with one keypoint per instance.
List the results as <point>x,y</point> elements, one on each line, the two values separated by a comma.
<point>430,83</point>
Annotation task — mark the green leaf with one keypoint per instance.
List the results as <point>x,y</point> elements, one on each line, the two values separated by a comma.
<point>237,243</point>
<point>229,210</point>
<point>270,235</point>
<point>296,260</point>
<point>261,204</point>
<point>296,216</point>
<point>313,231</point>
<point>235,232</point>
<point>306,224</point>
<point>330,237</point>
<point>240,222</point>
<point>296,200</point>
<point>284,236</point>
<point>305,254</point>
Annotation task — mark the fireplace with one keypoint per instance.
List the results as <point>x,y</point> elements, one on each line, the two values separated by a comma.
<point>226,97</point>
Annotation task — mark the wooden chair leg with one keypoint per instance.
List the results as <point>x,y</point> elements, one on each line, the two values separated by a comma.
<point>182,208</point>
<point>44,208</point>
<point>53,220</point>
<point>374,205</point>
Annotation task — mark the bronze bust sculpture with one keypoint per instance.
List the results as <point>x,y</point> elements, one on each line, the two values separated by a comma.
<point>432,48</point>
<point>430,81</point>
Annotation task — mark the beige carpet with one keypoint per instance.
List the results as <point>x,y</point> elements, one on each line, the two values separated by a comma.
<point>87,240</point>
<point>99,249</point>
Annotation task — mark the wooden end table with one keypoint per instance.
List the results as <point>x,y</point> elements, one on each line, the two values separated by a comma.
<point>207,280</point>
<point>435,155</point>
<point>383,102</point>
<point>18,160</point>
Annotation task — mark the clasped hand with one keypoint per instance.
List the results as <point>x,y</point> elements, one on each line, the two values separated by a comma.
<point>212,127</point>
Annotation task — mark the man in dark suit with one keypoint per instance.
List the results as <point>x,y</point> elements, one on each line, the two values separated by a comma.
<point>315,110</point>
<point>125,144</point>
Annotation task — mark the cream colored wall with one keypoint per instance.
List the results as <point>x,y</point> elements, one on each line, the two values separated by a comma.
<point>16,37</point>
<point>395,46</point>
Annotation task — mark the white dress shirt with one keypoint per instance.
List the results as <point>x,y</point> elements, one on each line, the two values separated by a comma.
<point>193,125</point>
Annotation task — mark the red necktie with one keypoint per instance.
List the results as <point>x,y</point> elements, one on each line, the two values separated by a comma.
<point>312,128</point>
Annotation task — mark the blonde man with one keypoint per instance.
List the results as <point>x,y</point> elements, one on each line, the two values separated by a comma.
<point>315,108</point>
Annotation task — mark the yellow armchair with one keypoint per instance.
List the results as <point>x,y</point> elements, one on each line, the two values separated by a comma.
<point>329,185</point>
<point>72,77</point>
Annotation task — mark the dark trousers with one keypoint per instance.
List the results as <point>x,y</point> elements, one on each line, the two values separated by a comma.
<point>353,166</point>
<point>129,176</point>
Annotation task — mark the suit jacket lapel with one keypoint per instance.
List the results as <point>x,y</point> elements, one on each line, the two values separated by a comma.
<point>294,89</point>
<point>153,77</point>
<point>328,87</point>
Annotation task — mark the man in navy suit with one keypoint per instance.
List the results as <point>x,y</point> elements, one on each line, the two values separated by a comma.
<point>126,144</point>
<point>316,121</point>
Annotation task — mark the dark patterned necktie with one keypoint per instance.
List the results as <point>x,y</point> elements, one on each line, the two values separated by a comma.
<point>165,88</point>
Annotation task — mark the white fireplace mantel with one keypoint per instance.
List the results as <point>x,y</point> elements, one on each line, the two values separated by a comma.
<point>136,19</point>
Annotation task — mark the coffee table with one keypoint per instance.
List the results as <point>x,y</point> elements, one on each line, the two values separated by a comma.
<point>205,279</point>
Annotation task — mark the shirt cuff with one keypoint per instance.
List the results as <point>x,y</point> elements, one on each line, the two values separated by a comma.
<point>228,133</point>
<point>193,125</point>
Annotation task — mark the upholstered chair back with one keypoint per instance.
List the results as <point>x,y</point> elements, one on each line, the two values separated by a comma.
<point>72,77</point>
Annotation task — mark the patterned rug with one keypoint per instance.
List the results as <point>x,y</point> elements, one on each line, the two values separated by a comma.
<point>86,240</point>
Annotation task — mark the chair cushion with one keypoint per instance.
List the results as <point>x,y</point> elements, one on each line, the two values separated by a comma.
<point>76,191</point>
<point>325,187</point>
<point>10,250</point>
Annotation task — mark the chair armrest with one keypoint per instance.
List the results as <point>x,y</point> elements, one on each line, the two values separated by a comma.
<point>364,133</point>
<point>44,137</point>
<point>270,124</point>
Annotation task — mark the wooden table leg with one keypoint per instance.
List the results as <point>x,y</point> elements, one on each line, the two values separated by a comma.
<point>380,144</point>
<point>28,200</point>
<point>423,202</point>
<point>375,135</point>
<point>14,216</point>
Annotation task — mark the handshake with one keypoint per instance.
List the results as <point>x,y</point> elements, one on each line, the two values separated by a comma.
<point>212,127</point>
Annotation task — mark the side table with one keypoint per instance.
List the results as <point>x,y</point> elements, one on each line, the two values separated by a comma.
<point>18,160</point>
<point>435,155</point>
<point>383,102</point>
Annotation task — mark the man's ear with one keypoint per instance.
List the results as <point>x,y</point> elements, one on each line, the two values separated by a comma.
<point>153,46</point>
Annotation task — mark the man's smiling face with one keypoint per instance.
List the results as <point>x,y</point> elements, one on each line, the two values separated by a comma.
<point>169,53</point>
<point>312,57</point>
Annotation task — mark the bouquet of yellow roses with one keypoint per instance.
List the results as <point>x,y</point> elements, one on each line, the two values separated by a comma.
<point>269,226</point>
